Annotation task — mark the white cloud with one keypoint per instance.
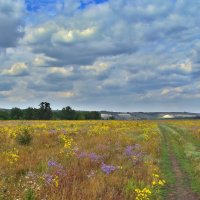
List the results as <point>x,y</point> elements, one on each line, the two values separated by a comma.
<point>63,71</point>
<point>187,66</point>
<point>170,91</point>
<point>72,35</point>
<point>98,67</point>
<point>133,51</point>
<point>68,94</point>
<point>41,60</point>
<point>17,69</point>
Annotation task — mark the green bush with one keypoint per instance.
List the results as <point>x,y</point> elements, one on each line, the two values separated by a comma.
<point>24,138</point>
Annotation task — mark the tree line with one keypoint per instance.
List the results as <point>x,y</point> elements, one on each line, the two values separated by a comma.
<point>44,112</point>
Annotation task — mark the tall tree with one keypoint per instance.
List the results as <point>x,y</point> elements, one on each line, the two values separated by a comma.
<point>45,111</point>
<point>68,113</point>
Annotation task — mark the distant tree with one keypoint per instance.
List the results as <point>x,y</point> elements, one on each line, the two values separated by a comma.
<point>93,115</point>
<point>80,115</point>
<point>42,105</point>
<point>4,115</point>
<point>56,115</point>
<point>16,113</point>
<point>68,113</point>
<point>45,111</point>
<point>30,113</point>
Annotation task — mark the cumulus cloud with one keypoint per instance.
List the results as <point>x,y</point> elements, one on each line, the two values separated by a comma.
<point>119,54</point>
<point>17,69</point>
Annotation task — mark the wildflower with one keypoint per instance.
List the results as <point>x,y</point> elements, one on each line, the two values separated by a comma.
<point>59,169</point>
<point>94,157</point>
<point>64,131</point>
<point>156,175</point>
<point>53,131</point>
<point>11,156</point>
<point>107,168</point>
<point>68,144</point>
<point>135,155</point>
<point>129,151</point>
<point>82,155</point>
<point>56,181</point>
<point>53,164</point>
<point>153,182</point>
<point>161,182</point>
<point>143,194</point>
<point>48,178</point>
<point>157,181</point>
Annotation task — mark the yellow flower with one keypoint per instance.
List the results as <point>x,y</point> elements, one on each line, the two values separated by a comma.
<point>56,181</point>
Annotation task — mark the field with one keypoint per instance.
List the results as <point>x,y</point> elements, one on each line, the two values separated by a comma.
<point>100,160</point>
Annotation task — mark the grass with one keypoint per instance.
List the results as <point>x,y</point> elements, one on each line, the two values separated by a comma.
<point>184,145</point>
<point>165,162</point>
<point>187,163</point>
<point>91,159</point>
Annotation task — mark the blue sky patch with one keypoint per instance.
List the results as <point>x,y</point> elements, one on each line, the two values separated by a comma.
<point>89,2</point>
<point>50,5</point>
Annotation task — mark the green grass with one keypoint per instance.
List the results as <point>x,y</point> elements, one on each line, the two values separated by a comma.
<point>165,162</point>
<point>186,163</point>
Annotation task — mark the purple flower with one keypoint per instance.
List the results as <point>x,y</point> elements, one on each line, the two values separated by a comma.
<point>107,168</point>
<point>59,169</point>
<point>53,164</point>
<point>134,153</point>
<point>94,157</point>
<point>137,157</point>
<point>82,155</point>
<point>53,131</point>
<point>61,172</point>
<point>129,150</point>
<point>64,131</point>
<point>48,178</point>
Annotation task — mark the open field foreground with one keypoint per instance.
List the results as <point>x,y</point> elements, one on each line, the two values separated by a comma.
<point>100,160</point>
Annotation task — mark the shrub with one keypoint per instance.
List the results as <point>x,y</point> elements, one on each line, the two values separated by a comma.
<point>24,138</point>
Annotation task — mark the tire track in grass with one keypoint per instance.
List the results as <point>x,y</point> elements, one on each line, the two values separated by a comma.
<point>177,189</point>
<point>189,157</point>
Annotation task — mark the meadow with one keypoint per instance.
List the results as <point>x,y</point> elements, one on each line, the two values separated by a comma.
<point>100,160</point>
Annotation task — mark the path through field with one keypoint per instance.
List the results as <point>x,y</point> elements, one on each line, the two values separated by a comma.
<point>174,139</point>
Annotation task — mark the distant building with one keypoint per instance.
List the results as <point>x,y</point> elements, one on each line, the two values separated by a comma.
<point>168,117</point>
<point>106,116</point>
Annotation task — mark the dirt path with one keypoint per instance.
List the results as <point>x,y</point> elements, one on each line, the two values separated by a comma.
<point>179,191</point>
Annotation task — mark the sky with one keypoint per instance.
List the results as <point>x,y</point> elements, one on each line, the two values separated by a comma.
<point>116,55</point>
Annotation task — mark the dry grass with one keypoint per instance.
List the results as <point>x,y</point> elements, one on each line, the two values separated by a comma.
<point>80,160</point>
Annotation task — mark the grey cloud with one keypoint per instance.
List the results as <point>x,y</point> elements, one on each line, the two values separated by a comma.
<point>11,21</point>
<point>6,85</point>
<point>114,34</point>
<point>124,54</point>
<point>50,86</point>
